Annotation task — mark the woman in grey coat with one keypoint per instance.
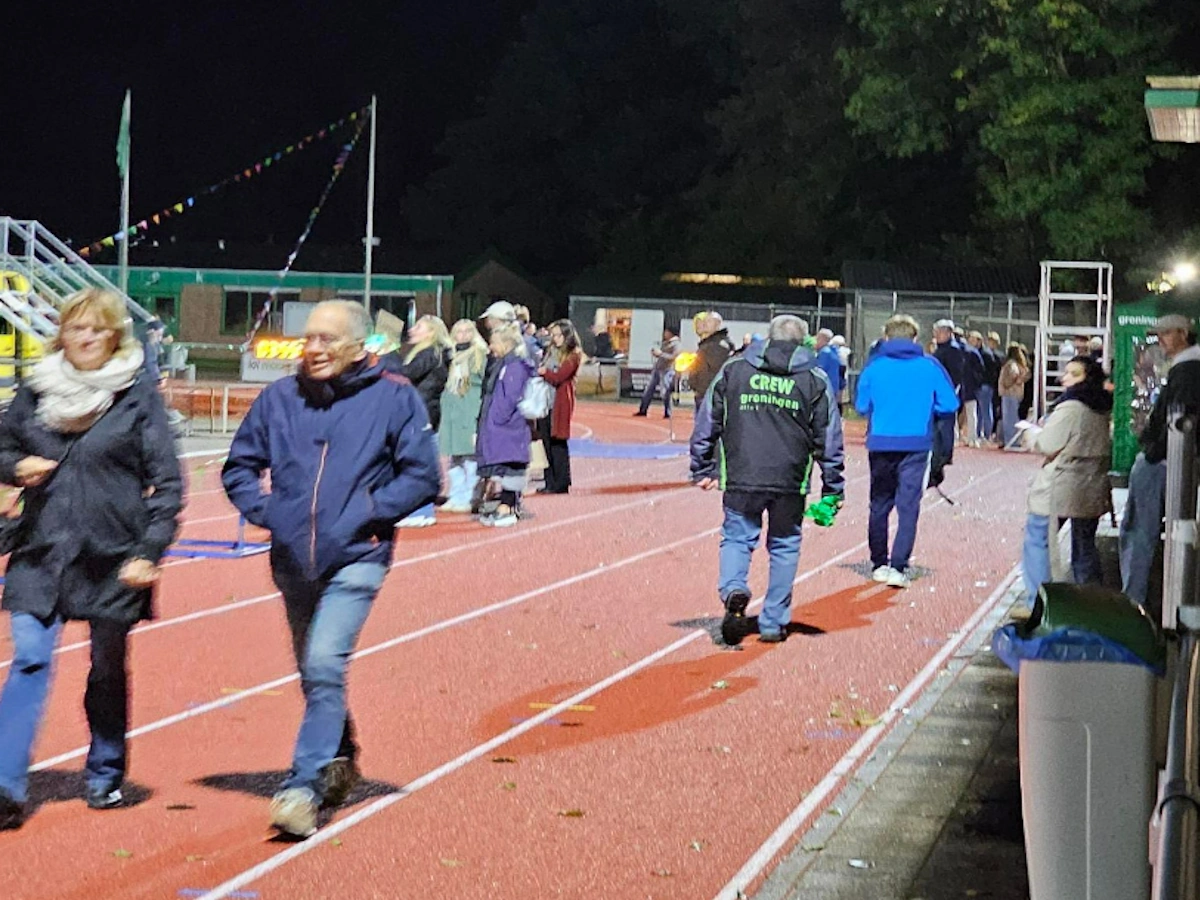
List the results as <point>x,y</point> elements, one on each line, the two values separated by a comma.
<point>87,439</point>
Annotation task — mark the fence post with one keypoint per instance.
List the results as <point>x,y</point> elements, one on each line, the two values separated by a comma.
<point>1179,551</point>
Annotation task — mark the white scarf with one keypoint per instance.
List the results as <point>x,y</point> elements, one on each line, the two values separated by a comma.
<point>70,400</point>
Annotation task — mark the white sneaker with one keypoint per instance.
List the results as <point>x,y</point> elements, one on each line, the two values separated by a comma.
<point>294,812</point>
<point>416,522</point>
<point>499,521</point>
<point>898,579</point>
<point>882,574</point>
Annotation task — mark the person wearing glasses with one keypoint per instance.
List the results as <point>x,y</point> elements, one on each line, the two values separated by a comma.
<point>87,439</point>
<point>350,452</point>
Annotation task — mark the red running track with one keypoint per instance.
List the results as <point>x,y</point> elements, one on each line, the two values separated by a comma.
<point>541,709</point>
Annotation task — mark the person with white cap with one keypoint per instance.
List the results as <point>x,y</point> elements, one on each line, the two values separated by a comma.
<point>1141,523</point>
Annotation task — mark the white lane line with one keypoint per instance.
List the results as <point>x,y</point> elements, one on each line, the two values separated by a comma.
<point>762,857</point>
<point>195,454</point>
<point>387,645</point>
<point>409,561</point>
<point>448,768</point>
<point>328,833</point>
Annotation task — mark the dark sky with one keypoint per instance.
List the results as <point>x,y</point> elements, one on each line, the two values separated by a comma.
<point>217,85</point>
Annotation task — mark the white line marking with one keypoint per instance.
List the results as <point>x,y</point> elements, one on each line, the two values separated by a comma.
<point>387,645</point>
<point>268,865</point>
<point>448,768</point>
<point>194,454</point>
<point>762,857</point>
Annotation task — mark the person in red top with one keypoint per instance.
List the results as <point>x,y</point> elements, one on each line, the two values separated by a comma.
<point>559,368</point>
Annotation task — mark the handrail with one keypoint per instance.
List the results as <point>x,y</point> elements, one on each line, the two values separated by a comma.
<point>1175,868</point>
<point>1177,864</point>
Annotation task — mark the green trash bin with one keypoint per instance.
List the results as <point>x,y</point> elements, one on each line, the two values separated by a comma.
<point>1099,610</point>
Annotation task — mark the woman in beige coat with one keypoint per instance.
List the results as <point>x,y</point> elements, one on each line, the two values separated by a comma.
<point>1073,481</point>
<point>1013,375</point>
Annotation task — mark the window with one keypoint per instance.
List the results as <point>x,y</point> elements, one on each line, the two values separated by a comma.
<point>242,307</point>
<point>470,307</point>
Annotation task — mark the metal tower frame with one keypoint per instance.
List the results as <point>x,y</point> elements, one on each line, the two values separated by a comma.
<point>1054,327</point>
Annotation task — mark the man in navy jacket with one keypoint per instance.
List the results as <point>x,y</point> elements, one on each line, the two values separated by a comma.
<point>349,452</point>
<point>902,391</point>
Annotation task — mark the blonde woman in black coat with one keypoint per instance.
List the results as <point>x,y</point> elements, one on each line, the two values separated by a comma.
<point>87,439</point>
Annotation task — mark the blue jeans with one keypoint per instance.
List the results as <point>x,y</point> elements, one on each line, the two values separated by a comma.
<point>1141,527</point>
<point>326,618</point>
<point>986,425</point>
<point>739,536</point>
<point>897,481</point>
<point>667,379</point>
<point>1035,555</point>
<point>106,702</point>
<point>1010,415</point>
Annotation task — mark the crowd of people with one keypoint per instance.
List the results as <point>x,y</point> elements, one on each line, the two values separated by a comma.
<point>353,445</point>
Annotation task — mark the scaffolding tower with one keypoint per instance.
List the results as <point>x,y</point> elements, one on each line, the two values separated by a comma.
<point>1085,310</point>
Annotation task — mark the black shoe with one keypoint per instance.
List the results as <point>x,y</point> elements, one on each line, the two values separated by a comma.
<point>104,798</point>
<point>772,637</point>
<point>341,777</point>
<point>12,813</point>
<point>733,626</point>
<point>639,415</point>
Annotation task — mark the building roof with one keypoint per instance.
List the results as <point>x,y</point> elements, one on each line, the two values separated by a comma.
<point>1022,281</point>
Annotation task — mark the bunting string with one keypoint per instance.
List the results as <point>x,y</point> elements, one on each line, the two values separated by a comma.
<point>251,171</point>
<point>339,166</point>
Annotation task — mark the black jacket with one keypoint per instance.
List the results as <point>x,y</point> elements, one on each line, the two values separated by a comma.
<point>993,362</point>
<point>710,356</point>
<point>115,496</point>
<point>772,416</point>
<point>427,371</point>
<point>1181,390</point>
<point>954,360</point>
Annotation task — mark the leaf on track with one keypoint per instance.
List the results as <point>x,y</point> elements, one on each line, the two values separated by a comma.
<point>571,813</point>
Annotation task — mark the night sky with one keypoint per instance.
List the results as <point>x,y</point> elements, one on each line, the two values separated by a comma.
<point>216,86</point>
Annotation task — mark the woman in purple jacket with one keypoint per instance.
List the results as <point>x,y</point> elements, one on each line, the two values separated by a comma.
<point>502,446</point>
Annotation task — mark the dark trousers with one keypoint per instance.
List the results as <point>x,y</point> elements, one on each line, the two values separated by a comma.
<point>897,481</point>
<point>558,472</point>
<point>1085,558</point>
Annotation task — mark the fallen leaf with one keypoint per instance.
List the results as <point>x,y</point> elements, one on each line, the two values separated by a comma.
<point>194,857</point>
<point>813,848</point>
<point>697,845</point>
<point>337,842</point>
<point>122,854</point>
<point>508,785</point>
<point>619,654</point>
<point>833,811</point>
<point>721,748</point>
<point>179,807</point>
<point>571,813</point>
<point>864,719</point>
<point>720,685</point>
<point>503,759</point>
<point>450,863</point>
<point>661,873</point>
<point>835,711</point>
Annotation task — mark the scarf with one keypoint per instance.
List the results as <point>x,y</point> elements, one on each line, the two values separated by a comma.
<point>468,359</point>
<point>70,400</point>
<point>1090,394</point>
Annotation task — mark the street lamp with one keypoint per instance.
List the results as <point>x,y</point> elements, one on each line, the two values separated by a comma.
<point>1173,108</point>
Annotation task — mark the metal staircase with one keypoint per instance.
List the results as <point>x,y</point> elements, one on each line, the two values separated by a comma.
<point>38,272</point>
<point>1065,314</point>
<point>42,272</point>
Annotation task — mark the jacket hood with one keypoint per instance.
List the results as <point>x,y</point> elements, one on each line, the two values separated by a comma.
<point>352,380</point>
<point>901,348</point>
<point>779,357</point>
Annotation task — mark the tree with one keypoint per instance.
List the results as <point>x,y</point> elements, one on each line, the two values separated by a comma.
<point>596,117</point>
<point>1042,99</point>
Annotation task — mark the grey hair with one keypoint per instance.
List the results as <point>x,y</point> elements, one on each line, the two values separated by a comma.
<point>358,320</point>
<point>788,328</point>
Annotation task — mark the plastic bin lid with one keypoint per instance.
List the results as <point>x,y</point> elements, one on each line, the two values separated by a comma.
<point>1091,607</point>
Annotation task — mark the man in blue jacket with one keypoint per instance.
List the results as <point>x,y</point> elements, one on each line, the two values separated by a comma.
<point>770,415</point>
<point>349,452</point>
<point>902,392</point>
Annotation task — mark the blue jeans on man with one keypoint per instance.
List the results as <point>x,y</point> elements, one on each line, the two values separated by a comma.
<point>1140,534</point>
<point>898,480</point>
<point>665,378</point>
<point>740,535</point>
<point>325,618</point>
<point>985,423</point>
<point>106,702</point>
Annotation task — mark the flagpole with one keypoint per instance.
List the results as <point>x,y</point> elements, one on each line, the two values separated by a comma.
<point>370,213</point>
<point>123,253</point>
